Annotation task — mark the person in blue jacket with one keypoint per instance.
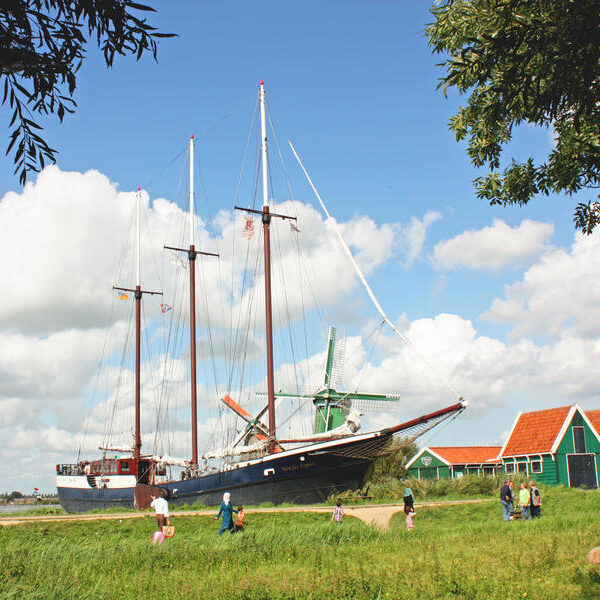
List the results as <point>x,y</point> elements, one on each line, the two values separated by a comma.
<point>227,511</point>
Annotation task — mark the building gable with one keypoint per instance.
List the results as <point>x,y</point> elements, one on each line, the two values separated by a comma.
<point>426,458</point>
<point>590,438</point>
<point>537,432</point>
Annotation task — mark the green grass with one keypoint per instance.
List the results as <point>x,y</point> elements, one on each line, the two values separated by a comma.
<point>463,552</point>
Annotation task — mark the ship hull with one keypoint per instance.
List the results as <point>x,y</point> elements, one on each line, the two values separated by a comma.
<point>303,476</point>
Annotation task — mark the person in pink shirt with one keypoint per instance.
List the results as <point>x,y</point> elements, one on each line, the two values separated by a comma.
<point>338,513</point>
<point>410,513</point>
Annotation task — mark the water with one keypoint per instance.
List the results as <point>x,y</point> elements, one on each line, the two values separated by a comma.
<point>13,508</point>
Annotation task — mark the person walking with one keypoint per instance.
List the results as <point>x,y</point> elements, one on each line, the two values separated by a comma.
<point>227,511</point>
<point>338,513</point>
<point>410,513</point>
<point>525,502</point>
<point>506,497</point>
<point>161,508</point>
<point>535,501</point>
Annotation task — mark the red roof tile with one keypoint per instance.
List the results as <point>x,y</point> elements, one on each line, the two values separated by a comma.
<point>594,417</point>
<point>463,455</point>
<point>535,432</point>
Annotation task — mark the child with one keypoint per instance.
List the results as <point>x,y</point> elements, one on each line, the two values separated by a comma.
<point>410,513</point>
<point>239,520</point>
<point>338,513</point>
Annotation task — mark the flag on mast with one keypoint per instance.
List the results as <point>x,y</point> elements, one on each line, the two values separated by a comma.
<point>249,228</point>
<point>165,308</point>
<point>123,296</point>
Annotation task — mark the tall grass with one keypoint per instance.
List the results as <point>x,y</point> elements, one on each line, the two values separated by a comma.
<point>463,551</point>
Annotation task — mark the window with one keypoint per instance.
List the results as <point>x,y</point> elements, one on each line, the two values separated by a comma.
<point>125,466</point>
<point>510,467</point>
<point>578,440</point>
<point>522,466</point>
<point>536,466</point>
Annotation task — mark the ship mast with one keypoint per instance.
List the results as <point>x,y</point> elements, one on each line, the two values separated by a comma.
<point>138,292</point>
<point>266,216</point>
<point>266,220</point>
<point>192,254</point>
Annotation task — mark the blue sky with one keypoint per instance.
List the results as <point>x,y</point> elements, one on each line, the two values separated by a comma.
<point>353,84</point>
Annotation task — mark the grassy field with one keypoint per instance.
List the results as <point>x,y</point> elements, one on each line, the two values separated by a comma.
<point>454,552</point>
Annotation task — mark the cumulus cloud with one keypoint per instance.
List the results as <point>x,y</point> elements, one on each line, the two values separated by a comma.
<point>412,236</point>
<point>558,296</point>
<point>66,239</point>
<point>494,247</point>
<point>53,323</point>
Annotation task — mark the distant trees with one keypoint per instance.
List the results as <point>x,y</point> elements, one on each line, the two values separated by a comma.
<point>14,495</point>
<point>42,46</point>
<point>525,61</point>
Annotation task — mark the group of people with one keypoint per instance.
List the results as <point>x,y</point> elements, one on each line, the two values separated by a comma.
<point>226,513</point>
<point>161,508</point>
<point>529,501</point>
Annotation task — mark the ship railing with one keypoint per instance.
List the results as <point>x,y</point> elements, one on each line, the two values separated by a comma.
<point>69,469</point>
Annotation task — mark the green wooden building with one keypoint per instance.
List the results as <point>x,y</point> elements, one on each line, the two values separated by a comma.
<point>444,462</point>
<point>555,446</point>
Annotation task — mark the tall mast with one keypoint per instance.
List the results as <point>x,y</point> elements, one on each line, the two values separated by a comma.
<point>266,220</point>
<point>266,216</point>
<point>138,329</point>
<point>192,254</point>
<point>138,293</point>
<point>192,260</point>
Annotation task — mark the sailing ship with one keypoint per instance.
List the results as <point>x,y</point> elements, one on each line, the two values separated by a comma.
<point>260,466</point>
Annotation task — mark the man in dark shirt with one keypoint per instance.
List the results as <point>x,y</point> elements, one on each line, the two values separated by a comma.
<point>506,500</point>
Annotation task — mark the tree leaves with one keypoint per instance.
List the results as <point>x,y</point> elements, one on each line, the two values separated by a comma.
<point>527,61</point>
<point>42,46</point>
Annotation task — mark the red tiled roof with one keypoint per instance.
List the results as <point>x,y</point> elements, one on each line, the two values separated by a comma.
<point>594,417</point>
<point>535,432</point>
<point>463,455</point>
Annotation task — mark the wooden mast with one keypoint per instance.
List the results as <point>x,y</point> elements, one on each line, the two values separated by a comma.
<point>192,254</point>
<point>138,330</point>
<point>266,220</point>
<point>138,293</point>
<point>266,216</point>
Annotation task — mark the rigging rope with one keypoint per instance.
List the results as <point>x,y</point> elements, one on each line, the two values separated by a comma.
<point>358,270</point>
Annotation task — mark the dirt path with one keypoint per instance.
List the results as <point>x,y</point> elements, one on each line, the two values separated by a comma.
<point>377,515</point>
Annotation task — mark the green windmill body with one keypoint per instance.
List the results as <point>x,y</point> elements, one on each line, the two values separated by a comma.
<point>331,406</point>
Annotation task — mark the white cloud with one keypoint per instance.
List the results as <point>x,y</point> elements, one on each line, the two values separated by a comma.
<point>558,296</point>
<point>494,247</point>
<point>53,324</point>
<point>412,236</point>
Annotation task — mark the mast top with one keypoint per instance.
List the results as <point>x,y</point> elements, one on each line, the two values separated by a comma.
<point>262,82</point>
<point>192,136</point>
<point>138,188</point>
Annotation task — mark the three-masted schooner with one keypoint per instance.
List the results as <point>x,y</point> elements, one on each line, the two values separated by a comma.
<point>269,469</point>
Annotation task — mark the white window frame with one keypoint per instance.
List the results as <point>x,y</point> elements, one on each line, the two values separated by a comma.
<point>541,463</point>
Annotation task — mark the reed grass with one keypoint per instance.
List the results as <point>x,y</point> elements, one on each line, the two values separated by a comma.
<point>463,551</point>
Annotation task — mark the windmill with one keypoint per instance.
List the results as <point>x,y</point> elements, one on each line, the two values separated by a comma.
<point>331,406</point>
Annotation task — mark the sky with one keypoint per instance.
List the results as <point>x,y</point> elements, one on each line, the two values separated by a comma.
<point>501,302</point>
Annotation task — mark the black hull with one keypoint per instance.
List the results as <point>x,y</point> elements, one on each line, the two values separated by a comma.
<point>303,476</point>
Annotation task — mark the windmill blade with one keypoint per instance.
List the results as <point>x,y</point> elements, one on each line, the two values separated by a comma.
<point>367,403</point>
<point>336,352</point>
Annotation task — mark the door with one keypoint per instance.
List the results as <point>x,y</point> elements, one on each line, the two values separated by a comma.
<point>582,470</point>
